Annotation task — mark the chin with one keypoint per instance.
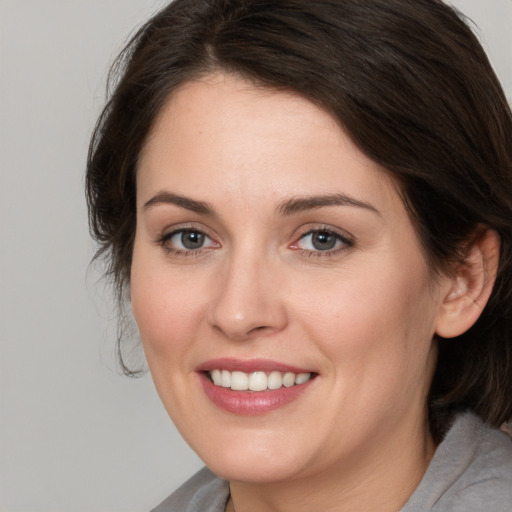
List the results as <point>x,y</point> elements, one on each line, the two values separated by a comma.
<point>252,460</point>
<point>237,468</point>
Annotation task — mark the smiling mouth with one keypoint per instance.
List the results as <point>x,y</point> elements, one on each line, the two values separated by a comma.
<point>257,381</point>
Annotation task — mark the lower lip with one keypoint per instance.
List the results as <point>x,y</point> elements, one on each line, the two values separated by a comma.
<point>251,403</point>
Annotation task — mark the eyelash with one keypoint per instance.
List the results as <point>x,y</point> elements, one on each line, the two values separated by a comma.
<point>165,239</point>
<point>345,243</point>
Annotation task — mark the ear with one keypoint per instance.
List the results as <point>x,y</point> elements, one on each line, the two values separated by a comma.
<point>468,291</point>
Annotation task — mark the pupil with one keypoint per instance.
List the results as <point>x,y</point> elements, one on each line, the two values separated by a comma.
<point>192,239</point>
<point>323,241</point>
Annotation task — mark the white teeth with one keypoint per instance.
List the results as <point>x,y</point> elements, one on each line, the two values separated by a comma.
<point>275,380</point>
<point>302,378</point>
<point>288,379</point>
<point>257,381</point>
<point>239,381</point>
<point>216,376</point>
<point>225,379</point>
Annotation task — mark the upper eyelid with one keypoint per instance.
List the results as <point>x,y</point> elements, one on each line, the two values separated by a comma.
<point>346,239</point>
<point>331,231</point>
<point>165,238</point>
<point>298,233</point>
<point>172,230</point>
<point>308,229</point>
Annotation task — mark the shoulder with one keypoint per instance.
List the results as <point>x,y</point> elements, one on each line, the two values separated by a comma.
<point>485,481</point>
<point>470,472</point>
<point>204,492</point>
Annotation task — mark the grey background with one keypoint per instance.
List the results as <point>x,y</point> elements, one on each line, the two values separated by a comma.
<point>74,435</point>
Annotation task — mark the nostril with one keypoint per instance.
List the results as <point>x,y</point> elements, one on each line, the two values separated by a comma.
<point>260,329</point>
<point>241,317</point>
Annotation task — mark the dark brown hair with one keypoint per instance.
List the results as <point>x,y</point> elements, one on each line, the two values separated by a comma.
<point>410,84</point>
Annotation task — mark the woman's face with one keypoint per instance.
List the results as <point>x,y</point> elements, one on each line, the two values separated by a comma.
<point>271,253</point>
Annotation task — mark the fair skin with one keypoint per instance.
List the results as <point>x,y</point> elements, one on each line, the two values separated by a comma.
<point>264,234</point>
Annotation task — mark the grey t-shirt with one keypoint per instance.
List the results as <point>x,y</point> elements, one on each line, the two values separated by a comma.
<point>471,472</point>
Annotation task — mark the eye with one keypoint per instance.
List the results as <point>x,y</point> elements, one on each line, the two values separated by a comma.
<point>187,240</point>
<point>322,241</point>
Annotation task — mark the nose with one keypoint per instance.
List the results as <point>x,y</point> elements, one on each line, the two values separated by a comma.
<point>248,303</point>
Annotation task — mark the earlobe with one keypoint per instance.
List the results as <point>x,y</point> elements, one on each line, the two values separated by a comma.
<point>471,286</point>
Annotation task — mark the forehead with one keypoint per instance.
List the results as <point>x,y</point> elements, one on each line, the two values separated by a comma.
<point>223,136</point>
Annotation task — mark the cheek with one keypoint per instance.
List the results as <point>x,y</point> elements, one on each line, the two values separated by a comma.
<point>166,312</point>
<point>165,305</point>
<point>379,320</point>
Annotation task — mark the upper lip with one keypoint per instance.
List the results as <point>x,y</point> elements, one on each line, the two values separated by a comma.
<point>249,366</point>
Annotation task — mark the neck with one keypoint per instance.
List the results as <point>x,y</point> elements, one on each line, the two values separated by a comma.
<point>379,480</point>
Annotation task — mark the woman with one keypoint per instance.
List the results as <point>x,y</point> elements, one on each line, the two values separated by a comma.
<point>308,204</point>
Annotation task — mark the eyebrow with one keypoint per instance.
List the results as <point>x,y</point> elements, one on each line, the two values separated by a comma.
<point>300,204</point>
<point>184,202</point>
<point>288,207</point>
